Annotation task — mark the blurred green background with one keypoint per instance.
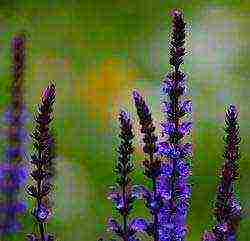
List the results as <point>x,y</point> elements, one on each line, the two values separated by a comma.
<point>97,52</point>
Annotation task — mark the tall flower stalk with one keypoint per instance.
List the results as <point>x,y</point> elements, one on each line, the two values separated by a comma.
<point>227,209</point>
<point>123,194</point>
<point>173,180</point>
<point>13,173</point>
<point>42,159</point>
<point>152,164</point>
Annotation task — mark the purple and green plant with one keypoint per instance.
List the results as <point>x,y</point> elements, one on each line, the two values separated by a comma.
<point>227,210</point>
<point>42,158</point>
<point>13,172</point>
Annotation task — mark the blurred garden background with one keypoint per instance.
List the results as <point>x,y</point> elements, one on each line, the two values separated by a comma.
<point>97,52</point>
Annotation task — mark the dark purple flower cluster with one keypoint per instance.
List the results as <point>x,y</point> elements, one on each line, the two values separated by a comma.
<point>13,173</point>
<point>227,208</point>
<point>42,159</point>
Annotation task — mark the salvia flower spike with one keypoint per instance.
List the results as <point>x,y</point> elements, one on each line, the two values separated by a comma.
<point>153,164</point>
<point>173,181</point>
<point>43,142</point>
<point>122,195</point>
<point>13,172</point>
<point>228,211</point>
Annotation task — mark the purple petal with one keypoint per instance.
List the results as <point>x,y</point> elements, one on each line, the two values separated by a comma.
<point>169,150</point>
<point>168,127</point>
<point>186,106</point>
<point>42,213</point>
<point>137,97</point>
<point>114,226</point>
<point>14,152</point>
<point>232,237</point>
<point>183,188</point>
<point>208,236</point>
<point>183,168</point>
<point>232,110</point>
<point>12,227</point>
<point>13,208</point>
<point>8,117</point>
<point>139,224</point>
<point>167,87</point>
<point>185,127</point>
<point>167,169</point>
<point>140,192</point>
<point>180,231</point>
<point>21,207</point>
<point>221,228</point>
<point>235,207</point>
<point>167,108</point>
<point>187,149</point>
<point>116,199</point>
<point>163,187</point>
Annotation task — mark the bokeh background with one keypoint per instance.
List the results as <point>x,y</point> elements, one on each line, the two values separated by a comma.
<point>97,52</point>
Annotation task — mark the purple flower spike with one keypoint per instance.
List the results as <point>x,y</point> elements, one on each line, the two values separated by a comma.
<point>42,159</point>
<point>124,193</point>
<point>227,210</point>
<point>173,184</point>
<point>12,171</point>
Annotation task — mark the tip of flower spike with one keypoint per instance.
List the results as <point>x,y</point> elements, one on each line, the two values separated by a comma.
<point>176,13</point>
<point>232,109</point>
<point>124,115</point>
<point>49,92</point>
<point>18,41</point>
<point>136,94</point>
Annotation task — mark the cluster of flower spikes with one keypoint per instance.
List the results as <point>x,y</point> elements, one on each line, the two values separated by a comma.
<point>42,159</point>
<point>123,194</point>
<point>13,173</point>
<point>152,166</point>
<point>173,182</point>
<point>227,208</point>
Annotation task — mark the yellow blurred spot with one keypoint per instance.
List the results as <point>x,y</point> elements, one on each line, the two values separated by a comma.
<point>106,88</point>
